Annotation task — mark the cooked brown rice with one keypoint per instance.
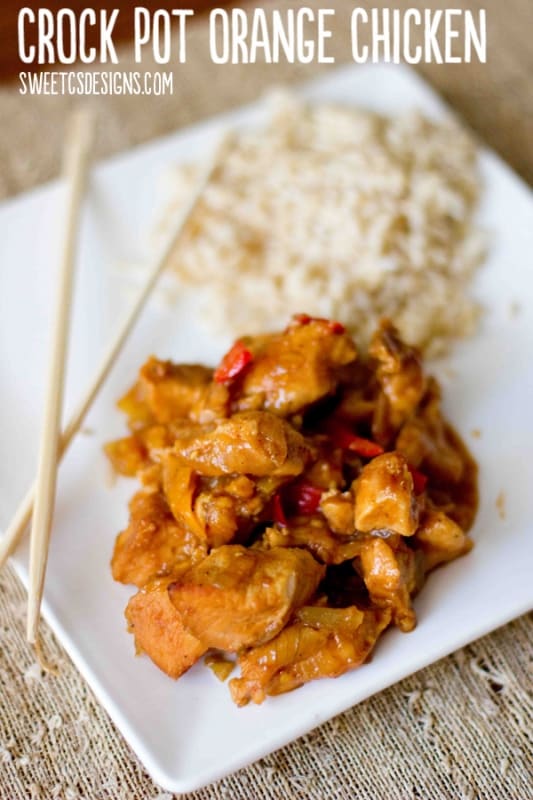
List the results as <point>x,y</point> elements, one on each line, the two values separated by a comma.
<point>340,213</point>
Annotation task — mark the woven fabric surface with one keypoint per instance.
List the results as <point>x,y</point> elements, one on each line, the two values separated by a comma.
<point>458,729</point>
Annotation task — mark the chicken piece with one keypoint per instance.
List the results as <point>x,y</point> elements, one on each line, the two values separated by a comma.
<point>431,444</point>
<point>133,454</point>
<point>238,597</point>
<point>212,404</point>
<point>390,575</point>
<point>313,534</point>
<point>326,469</point>
<point>329,643</point>
<point>295,368</point>
<point>464,494</point>
<point>339,510</point>
<point>170,390</point>
<point>399,373</point>
<point>217,513</point>
<point>156,438</point>
<point>153,544</point>
<point>251,443</point>
<point>159,631</point>
<point>426,440</point>
<point>133,405</point>
<point>430,451</point>
<point>385,497</point>
<point>230,507</point>
<point>383,431</point>
<point>210,516</point>
<point>440,539</point>
<point>127,456</point>
<point>216,510</point>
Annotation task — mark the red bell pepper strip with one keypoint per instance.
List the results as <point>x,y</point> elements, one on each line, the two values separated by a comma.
<point>279,514</point>
<point>233,363</point>
<point>333,327</point>
<point>305,497</point>
<point>365,447</point>
<point>419,479</point>
<point>302,319</point>
<point>344,438</point>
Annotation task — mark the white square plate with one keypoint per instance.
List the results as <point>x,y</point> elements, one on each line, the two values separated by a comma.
<point>189,733</point>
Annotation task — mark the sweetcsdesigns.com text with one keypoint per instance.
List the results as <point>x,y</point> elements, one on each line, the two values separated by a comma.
<point>295,36</point>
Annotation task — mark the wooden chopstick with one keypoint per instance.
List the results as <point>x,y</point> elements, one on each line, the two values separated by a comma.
<point>19,523</point>
<point>76,171</point>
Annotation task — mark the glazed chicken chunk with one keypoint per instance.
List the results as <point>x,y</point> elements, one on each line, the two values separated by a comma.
<point>239,597</point>
<point>399,372</point>
<point>159,631</point>
<point>168,390</point>
<point>153,544</point>
<point>250,443</point>
<point>315,535</point>
<point>384,498</point>
<point>390,575</point>
<point>325,644</point>
<point>294,500</point>
<point>427,441</point>
<point>294,369</point>
<point>440,539</point>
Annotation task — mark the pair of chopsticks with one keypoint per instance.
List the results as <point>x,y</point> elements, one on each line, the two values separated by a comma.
<point>40,498</point>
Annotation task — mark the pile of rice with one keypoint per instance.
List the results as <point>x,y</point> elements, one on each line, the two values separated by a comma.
<point>339,213</point>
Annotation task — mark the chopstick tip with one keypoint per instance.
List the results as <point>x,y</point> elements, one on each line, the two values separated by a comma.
<point>32,627</point>
<point>43,662</point>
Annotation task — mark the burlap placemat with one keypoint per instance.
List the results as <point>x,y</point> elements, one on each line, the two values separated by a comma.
<point>459,729</point>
